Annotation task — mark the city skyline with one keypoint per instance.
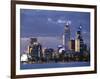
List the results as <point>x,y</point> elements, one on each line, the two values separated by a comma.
<point>48,25</point>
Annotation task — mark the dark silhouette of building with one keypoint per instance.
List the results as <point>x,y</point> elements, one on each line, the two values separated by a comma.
<point>72,45</point>
<point>35,50</point>
<point>48,54</point>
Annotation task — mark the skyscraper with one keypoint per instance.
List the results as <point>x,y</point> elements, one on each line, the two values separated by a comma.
<point>66,36</point>
<point>35,49</point>
<point>79,40</point>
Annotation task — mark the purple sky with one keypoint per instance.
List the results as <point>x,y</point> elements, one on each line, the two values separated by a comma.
<point>48,26</point>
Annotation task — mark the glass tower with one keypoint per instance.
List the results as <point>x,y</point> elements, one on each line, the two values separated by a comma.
<point>66,36</point>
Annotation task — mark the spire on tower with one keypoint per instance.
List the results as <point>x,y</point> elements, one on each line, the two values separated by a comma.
<point>80,27</point>
<point>68,23</point>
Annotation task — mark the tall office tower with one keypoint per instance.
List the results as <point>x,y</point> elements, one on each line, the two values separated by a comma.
<point>32,41</point>
<point>35,49</point>
<point>79,40</point>
<point>66,36</point>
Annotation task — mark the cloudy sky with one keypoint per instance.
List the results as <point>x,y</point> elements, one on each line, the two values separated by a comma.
<point>48,25</point>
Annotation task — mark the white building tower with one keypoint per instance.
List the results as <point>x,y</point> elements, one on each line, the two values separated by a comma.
<point>66,36</point>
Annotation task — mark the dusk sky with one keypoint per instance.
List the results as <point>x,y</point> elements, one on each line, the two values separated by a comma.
<point>48,25</point>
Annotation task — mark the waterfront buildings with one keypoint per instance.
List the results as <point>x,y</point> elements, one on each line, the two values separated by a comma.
<point>76,44</point>
<point>69,50</point>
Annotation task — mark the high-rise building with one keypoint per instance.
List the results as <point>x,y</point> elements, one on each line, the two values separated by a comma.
<point>35,49</point>
<point>79,40</point>
<point>66,37</point>
<point>48,53</point>
<point>32,41</point>
<point>72,45</point>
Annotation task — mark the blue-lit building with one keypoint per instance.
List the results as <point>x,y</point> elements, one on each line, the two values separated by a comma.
<point>66,37</point>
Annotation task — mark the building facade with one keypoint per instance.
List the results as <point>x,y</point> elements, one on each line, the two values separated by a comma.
<point>35,49</point>
<point>72,45</point>
<point>66,37</point>
<point>79,43</point>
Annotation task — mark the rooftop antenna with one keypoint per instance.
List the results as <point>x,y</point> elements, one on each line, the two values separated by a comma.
<point>80,27</point>
<point>68,22</point>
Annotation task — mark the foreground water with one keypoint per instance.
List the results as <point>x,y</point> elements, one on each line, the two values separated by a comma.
<point>54,65</point>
